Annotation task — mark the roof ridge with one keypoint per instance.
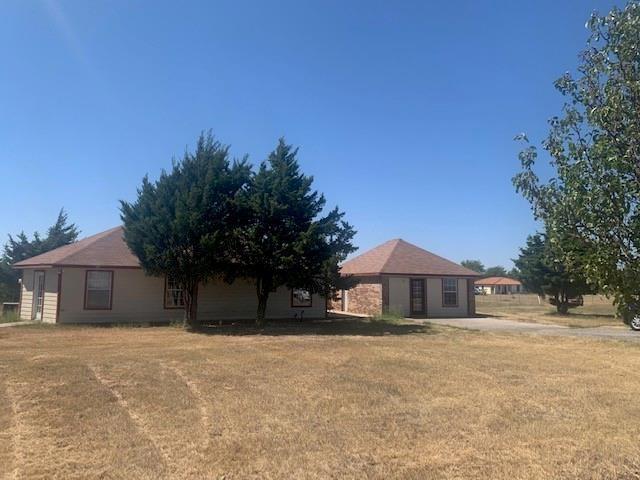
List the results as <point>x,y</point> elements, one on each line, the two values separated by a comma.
<point>90,240</point>
<point>396,242</point>
<point>440,257</point>
<point>434,254</point>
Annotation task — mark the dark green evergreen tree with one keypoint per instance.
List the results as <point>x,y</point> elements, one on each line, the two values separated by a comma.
<point>21,247</point>
<point>60,233</point>
<point>514,273</point>
<point>181,225</point>
<point>330,279</point>
<point>283,239</point>
<point>543,270</point>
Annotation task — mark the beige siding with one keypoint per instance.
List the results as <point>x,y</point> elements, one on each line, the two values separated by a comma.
<point>140,298</point>
<point>471,298</point>
<point>399,296</point>
<point>238,300</point>
<point>26,301</point>
<point>50,294</point>
<point>434,299</point>
<point>135,298</point>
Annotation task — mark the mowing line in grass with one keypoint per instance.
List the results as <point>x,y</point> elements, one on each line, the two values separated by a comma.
<point>10,435</point>
<point>443,404</point>
<point>200,401</point>
<point>140,424</point>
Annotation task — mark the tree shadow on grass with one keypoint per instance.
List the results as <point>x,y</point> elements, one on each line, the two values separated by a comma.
<point>333,326</point>
<point>581,314</point>
<point>489,315</point>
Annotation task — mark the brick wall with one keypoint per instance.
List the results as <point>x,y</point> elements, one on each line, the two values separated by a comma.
<point>335,304</point>
<point>366,297</point>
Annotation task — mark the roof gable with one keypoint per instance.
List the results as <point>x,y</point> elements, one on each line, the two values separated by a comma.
<point>402,258</point>
<point>105,249</point>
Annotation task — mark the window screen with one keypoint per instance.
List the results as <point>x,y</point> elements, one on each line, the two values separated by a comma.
<point>98,290</point>
<point>450,292</point>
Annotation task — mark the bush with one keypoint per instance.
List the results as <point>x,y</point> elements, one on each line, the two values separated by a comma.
<point>392,316</point>
<point>9,317</point>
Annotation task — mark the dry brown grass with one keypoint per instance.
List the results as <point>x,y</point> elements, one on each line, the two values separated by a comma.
<point>597,310</point>
<point>344,400</point>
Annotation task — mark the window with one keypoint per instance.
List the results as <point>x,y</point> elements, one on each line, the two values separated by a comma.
<point>300,297</point>
<point>98,287</point>
<point>173,295</point>
<point>450,292</point>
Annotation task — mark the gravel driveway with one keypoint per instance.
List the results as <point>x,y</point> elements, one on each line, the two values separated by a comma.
<point>489,324</point>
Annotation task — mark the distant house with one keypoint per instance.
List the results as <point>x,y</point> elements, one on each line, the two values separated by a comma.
<point>499,286</point>
<point>99,280</point>
<point>403,278</point>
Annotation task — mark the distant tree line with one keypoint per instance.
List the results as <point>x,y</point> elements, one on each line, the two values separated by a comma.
<point>544,270</point>
<point>497,271</point>
<point>22,247</point>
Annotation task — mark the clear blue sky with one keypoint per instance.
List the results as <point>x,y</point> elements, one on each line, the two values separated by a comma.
<point>404,112</point>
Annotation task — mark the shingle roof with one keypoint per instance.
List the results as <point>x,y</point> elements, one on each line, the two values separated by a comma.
<point>400,257</point>
<point>498,281</point>
<point>106,249</point>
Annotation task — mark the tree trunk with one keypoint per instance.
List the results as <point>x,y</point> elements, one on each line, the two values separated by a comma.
<point>191,306</point>
<point>262,310</point>
<point>263,296</point>
<point>327,299</point>
<point>563,307</point>
<point>562,304</point>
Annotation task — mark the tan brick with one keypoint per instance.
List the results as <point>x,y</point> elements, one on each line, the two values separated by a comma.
<point>366,298</point>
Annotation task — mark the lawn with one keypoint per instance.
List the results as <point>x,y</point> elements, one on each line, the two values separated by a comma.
<point>597,310</point>
<point>339,400</point>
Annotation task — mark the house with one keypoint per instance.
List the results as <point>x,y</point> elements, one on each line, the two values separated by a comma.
<point>498,286</point>
<point>99,280</point>
<point>403,278</point>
